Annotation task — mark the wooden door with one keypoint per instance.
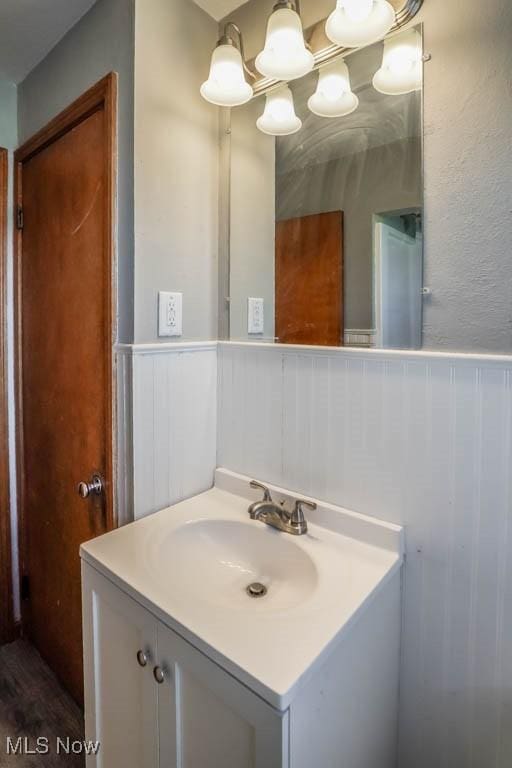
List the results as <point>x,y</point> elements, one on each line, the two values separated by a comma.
<point>309,280</point>
<point>65,369</point>
<point>121,693</point>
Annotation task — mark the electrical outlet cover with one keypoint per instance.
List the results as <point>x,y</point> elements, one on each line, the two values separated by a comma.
<point>170,314</point>
<point>255,315</point>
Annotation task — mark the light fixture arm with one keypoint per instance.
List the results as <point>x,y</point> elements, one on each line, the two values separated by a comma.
<point>291,5</point>
<point>227,39</point>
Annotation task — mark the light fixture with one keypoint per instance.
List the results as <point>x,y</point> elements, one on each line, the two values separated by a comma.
<point>285,56</point>
<point>359,22</point>
<point>333,96</point>
<point>226,86</point>
<point>279,118</point>
<point>401,70</point>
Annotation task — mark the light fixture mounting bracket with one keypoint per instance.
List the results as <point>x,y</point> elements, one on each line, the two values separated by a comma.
<point>289,5</point>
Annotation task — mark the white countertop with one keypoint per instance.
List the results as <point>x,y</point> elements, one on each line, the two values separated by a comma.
<point>189,565</point>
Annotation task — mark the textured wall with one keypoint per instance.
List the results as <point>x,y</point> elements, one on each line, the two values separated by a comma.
<point>176,167</point>
<point>468,172</point>
<point>424,441</point>
<point>101,42</point>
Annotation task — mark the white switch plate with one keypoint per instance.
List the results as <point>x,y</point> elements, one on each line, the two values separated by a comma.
<point>170,314</point>
<point>255,315</point>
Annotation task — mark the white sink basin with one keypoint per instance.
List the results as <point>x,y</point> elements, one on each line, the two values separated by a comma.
<point>190,565</point>
<point>215,561</point>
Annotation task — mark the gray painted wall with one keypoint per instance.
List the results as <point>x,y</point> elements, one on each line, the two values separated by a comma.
<point>468,166</point>
<point>176,167</point>
<point>468,172</point>
<point>252,235</point>
<point>101,42</point>
<point>8,115</point>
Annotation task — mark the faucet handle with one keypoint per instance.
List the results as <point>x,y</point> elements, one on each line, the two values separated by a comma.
<point>303,503</point>
<point>297,518</point>
<point>266,493</point>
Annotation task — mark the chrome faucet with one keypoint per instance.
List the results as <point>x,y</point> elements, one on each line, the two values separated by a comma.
<point>277,516</point>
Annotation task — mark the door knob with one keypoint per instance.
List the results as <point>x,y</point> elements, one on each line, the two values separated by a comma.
<point>94,487</point>
<point>158,674</point>
<point>142,658</point>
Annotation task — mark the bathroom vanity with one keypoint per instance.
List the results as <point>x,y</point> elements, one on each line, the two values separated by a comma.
<point>186,667</point>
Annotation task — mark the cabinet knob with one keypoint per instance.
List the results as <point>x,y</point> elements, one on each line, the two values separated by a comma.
<point>158,674</point>
<point>142,659</point>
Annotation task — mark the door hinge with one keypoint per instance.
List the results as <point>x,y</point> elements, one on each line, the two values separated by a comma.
<point>20,219</point>
<point>25,587</point>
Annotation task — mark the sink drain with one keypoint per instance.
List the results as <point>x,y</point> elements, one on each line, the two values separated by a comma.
<point>256,589</point>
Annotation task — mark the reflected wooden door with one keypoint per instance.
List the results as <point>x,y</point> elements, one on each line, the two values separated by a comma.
<point>309,280</point>
<point>65,379</point>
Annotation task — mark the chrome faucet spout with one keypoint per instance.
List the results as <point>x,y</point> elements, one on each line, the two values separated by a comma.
<point>266,493</point>
<point>266,511</point>
<point>258,509</point>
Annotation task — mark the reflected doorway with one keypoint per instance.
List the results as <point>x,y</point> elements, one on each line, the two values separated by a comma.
<point>398,280</point>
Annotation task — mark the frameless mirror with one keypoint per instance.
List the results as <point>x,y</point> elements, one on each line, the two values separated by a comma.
<point>325,233</point>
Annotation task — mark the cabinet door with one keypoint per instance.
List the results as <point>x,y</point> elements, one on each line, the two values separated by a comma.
<point>121,700</point>
<point>209,720</point>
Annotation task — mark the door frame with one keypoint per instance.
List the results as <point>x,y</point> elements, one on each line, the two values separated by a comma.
<point>7,624</point>
<point>102,95</point>
<point>377,220</point>
<point>377,280</point>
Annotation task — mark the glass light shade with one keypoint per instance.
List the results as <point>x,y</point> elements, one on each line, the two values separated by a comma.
<point>401,70</point>
<point>333,96</point>
<point>226,85</point>
<point>359,22</point>
<point>279,118</point>
<point>285,56</point>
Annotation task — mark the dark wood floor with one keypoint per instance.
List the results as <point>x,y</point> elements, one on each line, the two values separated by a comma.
<point>32,705</point>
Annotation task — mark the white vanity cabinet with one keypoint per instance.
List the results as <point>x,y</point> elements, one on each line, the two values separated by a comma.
<point>151,699</point>
<point>184,669</point>
<point>121,705</point>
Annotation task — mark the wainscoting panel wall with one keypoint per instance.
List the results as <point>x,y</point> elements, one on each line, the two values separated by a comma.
<point>174,423</point>
<point>424,441</point>
<point>124,422</point>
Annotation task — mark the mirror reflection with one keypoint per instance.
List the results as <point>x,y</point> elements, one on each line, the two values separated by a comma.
<point>326,221</point>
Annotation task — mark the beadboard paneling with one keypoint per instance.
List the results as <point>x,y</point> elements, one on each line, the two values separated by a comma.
<point>124,446</point>
<point>174,423</point>
<point>420,440</point>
